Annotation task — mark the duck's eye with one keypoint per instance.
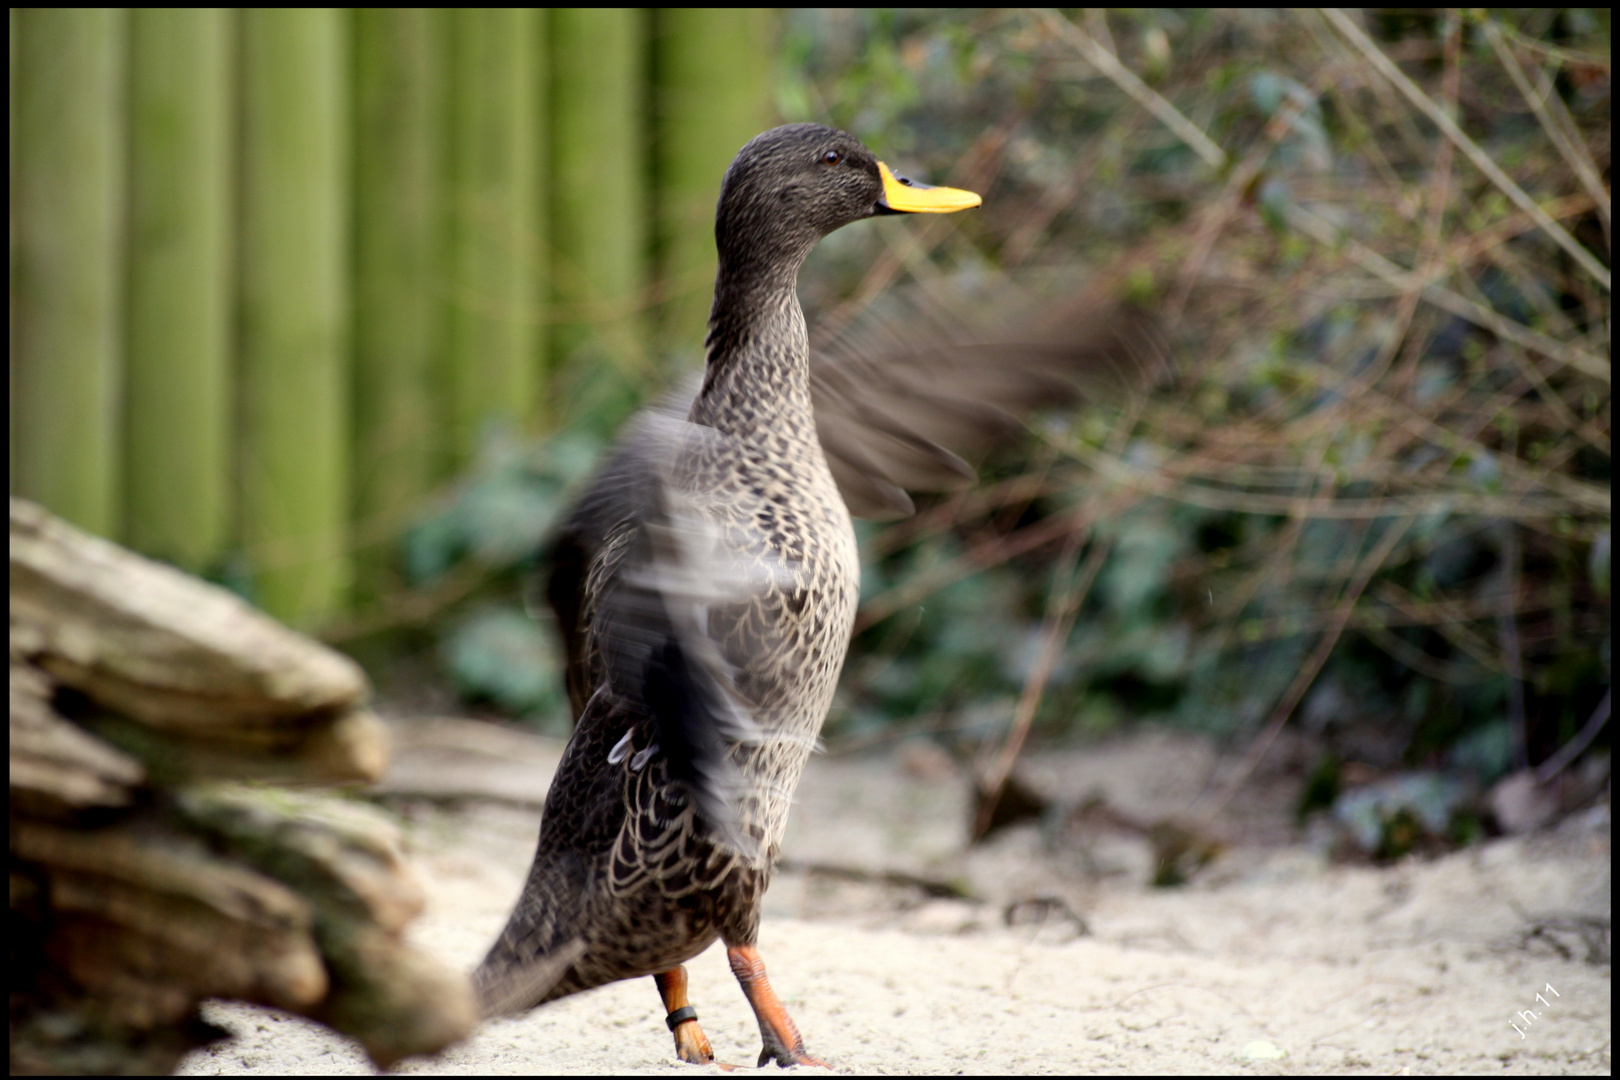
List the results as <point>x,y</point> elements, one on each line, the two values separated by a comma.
<point>832,157</point>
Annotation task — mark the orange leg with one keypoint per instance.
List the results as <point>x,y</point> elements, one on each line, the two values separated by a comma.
<point>783,1044</point>
<point>691,1045</point>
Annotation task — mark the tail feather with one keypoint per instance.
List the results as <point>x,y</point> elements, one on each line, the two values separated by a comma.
<point>540,943</point>
<point>506,986</point>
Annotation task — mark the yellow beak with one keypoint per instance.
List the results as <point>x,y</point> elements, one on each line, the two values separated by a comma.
<point>903,196</point>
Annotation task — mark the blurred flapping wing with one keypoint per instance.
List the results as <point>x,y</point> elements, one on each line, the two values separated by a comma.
<point>907,397</point>
<point>634,576</point>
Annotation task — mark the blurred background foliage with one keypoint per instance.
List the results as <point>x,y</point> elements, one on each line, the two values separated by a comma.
<point>1373,498</point>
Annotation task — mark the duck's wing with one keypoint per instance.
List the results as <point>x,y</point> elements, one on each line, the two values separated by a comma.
<point>634,574</point>
<point>908,396</point>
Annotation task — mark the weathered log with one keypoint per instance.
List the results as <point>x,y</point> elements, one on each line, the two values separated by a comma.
<point>56,767</point>
<point>132,905</point>
<point>157,644</point>
<point>325,750</point>
<point>142,879</point>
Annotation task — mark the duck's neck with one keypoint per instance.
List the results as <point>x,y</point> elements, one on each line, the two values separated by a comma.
<point>757,379</point>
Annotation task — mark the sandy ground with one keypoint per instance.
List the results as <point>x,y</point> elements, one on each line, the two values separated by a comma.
<point>1272,960</point>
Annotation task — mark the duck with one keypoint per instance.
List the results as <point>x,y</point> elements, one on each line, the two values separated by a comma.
<point>705,585</point>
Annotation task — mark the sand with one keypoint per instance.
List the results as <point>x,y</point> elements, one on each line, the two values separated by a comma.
<point>1273,960</point>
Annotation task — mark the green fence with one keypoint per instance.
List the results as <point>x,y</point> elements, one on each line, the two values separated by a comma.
<point>274,273</point>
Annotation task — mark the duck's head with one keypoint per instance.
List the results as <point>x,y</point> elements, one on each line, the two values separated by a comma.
<point>794,184</point>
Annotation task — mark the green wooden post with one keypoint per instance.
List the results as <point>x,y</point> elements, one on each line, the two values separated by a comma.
<point>294,401</point>
<point>598,192</point>
<point>11,317</point>
<point>67,210</point>
<point>400,132</point>
<point>495,364</point>
<point>712,93</point>
<point>178,404</point>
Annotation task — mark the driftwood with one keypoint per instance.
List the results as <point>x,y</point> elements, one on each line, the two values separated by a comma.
<point>152,865</point>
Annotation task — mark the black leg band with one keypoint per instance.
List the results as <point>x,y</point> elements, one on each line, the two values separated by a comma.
<point>680,1016</point>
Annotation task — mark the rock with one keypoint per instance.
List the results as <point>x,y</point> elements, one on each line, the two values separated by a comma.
<point>1522,803</point>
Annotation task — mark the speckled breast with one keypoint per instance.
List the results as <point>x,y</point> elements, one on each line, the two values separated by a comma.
<point>787,643</point>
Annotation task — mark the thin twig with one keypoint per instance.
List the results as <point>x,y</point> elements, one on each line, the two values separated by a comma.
<point>1527,505</point>
<point>1574,153</point>
<point>1415,658</point>
<point>1450,619</point>
<point>1313,226</point>
<point>1572,749</point>
<point>1059,619</point>
<point>1557,52</point>
<point>1503,327</point>
<point>1470,149</point>
<point>991,553</point>
<point>1144,95</point>
<point>1307,674</point>
<point>1512,652</point>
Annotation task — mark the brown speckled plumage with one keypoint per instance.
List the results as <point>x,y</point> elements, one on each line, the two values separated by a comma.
<point>706,588</point>
<point>706,583</point>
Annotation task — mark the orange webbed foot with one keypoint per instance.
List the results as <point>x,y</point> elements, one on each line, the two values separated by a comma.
<point>783,1044</point>
<point>785,1058</point>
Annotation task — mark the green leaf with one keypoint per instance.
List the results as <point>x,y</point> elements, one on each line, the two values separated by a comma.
<point>501,655</point>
